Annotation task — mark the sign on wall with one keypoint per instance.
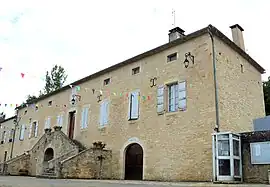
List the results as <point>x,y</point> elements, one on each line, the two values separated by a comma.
<point>260,152</point>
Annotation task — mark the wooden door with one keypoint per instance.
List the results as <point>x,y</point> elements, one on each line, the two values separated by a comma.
<point>71,125</point>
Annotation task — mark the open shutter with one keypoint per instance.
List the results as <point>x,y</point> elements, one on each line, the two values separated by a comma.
<point>182,104</point>
<point>58,120</point>
<point>30,130</point>
<point>61,120</point>
<point>5,137</point>
<point>46,124</point>
<point>134,105</point>
<point>36,129</point>
<point>22,132</point>
<point>101,118</point>
<point>86,117</point>
<point>160,99</point>
<point>105,112</point>
<point>129,106</point>
<point>49,122</point>
<point>82,118</point>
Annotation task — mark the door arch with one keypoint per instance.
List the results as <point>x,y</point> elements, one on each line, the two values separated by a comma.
<point>48,155</point>
<point>134,162</point>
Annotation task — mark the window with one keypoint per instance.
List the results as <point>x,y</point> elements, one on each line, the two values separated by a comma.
<point>48,123</point>
<point>50,103</point>
<point>11,134</point>
<point>22,130</point>
<point>135,70</point>
<point>84,118</point>
<point>25,112</point>
<point>36,108</point>
<point>35,129</point>
<point>107,81</point>
<point>172,57</point>
<point>104,113</point>
<point>176,97</point>
<point>3,137</point>
<point>133,108</point>
<point>242,68</point>
<point>60,119</point>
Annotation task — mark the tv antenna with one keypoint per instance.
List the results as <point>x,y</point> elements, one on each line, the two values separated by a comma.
<point>173,15</point>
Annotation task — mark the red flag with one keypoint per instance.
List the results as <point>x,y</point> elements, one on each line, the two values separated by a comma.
<point>22,74</point>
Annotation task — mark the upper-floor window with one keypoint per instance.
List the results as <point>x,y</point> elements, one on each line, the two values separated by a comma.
<point>47,123</point>
<point>36,108</point>
<point>3,137</point>
<point>135,70</point>
<point>50,103</point>
<point>107,81</point>
<point>60,120</point>
<point>84,118</point>
<point>33,129</point>
<point>104,113</point>
<point>25,112</point>
<point>172,57</point>
<point>11,134</point>
<point>133,108</point>
<point>242,68</point>
<point>22,130</point>
<point>176,97</point>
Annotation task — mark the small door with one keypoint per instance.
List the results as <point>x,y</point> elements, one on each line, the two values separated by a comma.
<point>134,162</point>
<point>71,124</point>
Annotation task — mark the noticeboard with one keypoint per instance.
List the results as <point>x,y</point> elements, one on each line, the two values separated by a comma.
<point>260,152</point>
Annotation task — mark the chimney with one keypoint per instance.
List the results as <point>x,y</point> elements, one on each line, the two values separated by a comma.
<point>237,36</point>
<point>175,33</point>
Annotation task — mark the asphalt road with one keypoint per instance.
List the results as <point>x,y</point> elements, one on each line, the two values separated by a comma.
<point>11,181</point>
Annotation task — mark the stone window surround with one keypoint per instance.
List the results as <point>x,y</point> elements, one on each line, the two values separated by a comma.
<point>123,156</point>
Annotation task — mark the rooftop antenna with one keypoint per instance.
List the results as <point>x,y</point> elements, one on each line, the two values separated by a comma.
<point>173,15</point>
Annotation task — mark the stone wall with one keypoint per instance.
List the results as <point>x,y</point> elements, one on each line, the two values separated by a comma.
<point>86,165</point>
<point>18,163</point>
<point>254,173</point>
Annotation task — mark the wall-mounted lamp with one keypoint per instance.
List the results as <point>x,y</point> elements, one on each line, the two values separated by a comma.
<point>74,98</point>
<point>188,56</point>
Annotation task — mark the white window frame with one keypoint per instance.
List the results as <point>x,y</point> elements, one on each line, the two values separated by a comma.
<point>35,129</point>
<point>176,102</point>
<point>22,129</point>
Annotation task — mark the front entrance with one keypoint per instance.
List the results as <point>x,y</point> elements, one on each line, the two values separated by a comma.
<point>134,162</point>
<point>71,124</point>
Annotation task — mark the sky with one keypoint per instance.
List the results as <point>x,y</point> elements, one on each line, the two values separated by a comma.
<point>86,36</point>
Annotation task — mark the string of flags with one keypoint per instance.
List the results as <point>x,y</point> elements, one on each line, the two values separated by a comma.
<point>23,75</point>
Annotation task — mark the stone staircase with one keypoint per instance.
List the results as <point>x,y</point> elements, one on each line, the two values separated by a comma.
<point>79,144</point>
<point>48,173</point>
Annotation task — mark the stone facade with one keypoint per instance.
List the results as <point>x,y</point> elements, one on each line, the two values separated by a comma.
<point>176,145</point>
<point>91,168</point>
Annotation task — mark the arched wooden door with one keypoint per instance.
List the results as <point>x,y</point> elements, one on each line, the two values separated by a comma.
<point>134,162</point>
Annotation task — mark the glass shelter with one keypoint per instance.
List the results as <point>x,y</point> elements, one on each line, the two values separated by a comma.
<point>227,162</point>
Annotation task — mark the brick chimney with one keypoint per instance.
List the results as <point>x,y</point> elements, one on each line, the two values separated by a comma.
<point>237,35</point>
<point>175,33</point>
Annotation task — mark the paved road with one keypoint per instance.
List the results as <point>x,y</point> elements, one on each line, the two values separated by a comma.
<point>8,181</point>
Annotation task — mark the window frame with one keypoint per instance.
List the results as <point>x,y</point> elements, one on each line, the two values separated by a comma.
<point>168,96</point>
<point>170,56</point>
<point>134,69</point>
<point>33,134</point>
<point>106,81</point>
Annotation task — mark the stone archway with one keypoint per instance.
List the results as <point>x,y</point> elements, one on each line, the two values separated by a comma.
<point>134,162</point>
<point>48,155</point>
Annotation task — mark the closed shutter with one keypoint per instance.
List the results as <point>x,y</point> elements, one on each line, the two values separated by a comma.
<point>30,130</point>
<point>160,99</point>
<point>105,112</point>
<point>49,122</point>
<point>101,115</point>
<point>134,105</point>
<point>82,118</point>
<point>22,132</point>
<point>36,129</point>
<point>86,110</point>
<point>182,104</point>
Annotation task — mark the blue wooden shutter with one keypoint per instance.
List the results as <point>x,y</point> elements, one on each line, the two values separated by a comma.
<point>22,132</point>
<point>61,120</point>
<point>86,117</point>
<point>160,99</point>
<point>82,118</point>
<point>105,112</point>
<point>182,104</point>
<point>134,105</point>
<point>101,118</point>
<point>30,130</point>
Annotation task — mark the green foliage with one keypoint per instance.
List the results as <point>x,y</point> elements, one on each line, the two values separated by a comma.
<point>55,79</point>
<point>266,92</point>
<point>30,98</point>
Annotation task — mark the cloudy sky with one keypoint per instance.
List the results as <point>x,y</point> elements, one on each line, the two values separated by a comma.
<point>86,36</point>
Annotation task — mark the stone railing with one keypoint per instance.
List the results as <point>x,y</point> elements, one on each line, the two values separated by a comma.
<point>55,163</point>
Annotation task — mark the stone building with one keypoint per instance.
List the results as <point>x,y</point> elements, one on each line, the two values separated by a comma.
<point>155,112</point>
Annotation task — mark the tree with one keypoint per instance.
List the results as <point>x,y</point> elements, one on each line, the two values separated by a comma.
<point>55,79</point>
<point>30,98</point>
<point>2,116</point>
<point>266,92</point>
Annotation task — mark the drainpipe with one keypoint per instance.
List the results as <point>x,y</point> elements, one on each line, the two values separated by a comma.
<point>215,78</point>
